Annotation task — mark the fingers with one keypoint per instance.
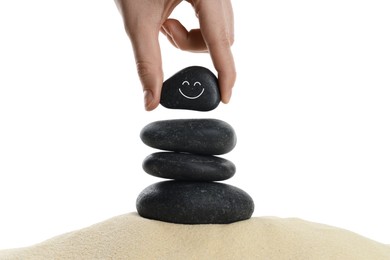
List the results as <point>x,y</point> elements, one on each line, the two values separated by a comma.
<point>182,39</point>
<point>149,66</point>
<point>142,20</point>
<point>216,24</point>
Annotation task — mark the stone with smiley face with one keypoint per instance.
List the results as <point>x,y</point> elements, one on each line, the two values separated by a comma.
<point>193,88</point>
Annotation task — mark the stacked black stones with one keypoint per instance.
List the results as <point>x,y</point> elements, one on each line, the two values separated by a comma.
<point>193,195</point>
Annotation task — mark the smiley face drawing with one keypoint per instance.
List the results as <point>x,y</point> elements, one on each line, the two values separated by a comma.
<point>186,83</point>
<point>193,88</point>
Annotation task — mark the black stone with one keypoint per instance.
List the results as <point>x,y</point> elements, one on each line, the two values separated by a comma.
<point>194,88</point>
<point>188,167</point>
<point>201,136</point>
<point>194,203</point>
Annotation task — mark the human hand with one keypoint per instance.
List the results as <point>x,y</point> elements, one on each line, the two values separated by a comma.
<point>143,19</point>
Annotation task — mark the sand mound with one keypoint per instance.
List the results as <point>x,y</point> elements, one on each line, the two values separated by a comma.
<point>132,237</point>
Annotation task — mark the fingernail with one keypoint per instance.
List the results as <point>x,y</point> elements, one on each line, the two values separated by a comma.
<point>148,99</point>
<point>227,97</point>
<point>166,31</point>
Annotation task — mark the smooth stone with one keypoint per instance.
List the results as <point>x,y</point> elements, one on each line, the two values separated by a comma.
<point>200,136</point>
<point>188,167</point>
<point>194,203</point>
<point>194,88</point>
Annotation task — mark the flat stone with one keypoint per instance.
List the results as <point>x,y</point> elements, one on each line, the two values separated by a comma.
<point>194,203</point>
<point>194,88</point>
<point>200,136</point>
<point>188,167</point>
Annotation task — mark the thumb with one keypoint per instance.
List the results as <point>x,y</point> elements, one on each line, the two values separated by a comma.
<point>149,66</point>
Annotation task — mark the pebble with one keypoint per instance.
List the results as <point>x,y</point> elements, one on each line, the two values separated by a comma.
<point>184,202</point>
<point>193,88</point>
<point>188,167</point>
<point>199,136</point>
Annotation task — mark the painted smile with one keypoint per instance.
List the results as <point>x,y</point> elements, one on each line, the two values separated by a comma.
<point>191,97</point>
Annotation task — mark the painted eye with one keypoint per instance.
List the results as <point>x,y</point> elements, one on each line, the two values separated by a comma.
<point>197,83</point>
<point>185,83</point>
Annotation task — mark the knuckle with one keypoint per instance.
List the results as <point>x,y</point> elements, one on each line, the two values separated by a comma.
<point>224,39</point>
<point>227,39</point>
<point>231,39</point>
<point>144,69</point>
<point>149,72</point>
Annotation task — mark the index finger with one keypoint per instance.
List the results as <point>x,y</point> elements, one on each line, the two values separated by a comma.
<point>217,26</point>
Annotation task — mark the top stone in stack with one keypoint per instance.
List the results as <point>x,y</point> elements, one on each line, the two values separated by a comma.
<point>198,136</point>
<point>193,88</point>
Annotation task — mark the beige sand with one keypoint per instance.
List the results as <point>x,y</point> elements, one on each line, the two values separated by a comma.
<point>132,237</point>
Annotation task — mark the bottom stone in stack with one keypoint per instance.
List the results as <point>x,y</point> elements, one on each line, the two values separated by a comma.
<point>186,202</point>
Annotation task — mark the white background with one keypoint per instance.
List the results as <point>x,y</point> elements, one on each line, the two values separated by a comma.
<point>310,108</point>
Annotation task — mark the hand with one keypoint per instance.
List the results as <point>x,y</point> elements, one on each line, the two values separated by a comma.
<point>144,19</point>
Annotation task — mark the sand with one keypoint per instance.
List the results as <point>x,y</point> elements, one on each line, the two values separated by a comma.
<point>131,237</point>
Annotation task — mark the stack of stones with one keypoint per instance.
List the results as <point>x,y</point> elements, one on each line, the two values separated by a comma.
<point>194,194</point>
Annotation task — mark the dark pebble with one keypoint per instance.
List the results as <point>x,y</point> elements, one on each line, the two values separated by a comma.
<point>201,136</point>
<point>194,88</point>
<point>194,203</point>
<point>188,167</point>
